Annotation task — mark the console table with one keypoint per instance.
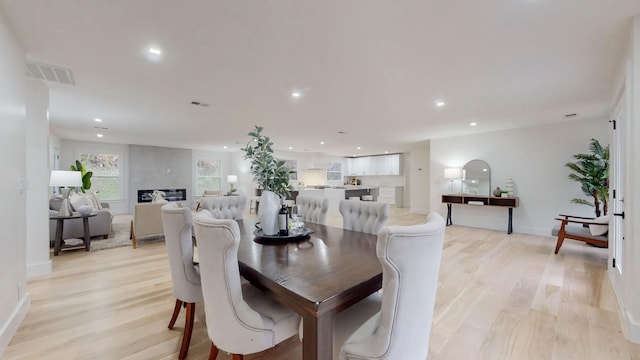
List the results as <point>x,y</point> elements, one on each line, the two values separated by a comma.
<point>508,202</point>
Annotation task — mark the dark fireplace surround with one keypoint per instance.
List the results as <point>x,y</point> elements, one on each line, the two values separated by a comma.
<point>145,196</point>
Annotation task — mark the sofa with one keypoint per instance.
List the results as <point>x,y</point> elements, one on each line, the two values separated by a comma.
<point>99,225</point>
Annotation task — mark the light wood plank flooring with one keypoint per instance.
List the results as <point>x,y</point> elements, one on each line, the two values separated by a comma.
<point>499,297</point>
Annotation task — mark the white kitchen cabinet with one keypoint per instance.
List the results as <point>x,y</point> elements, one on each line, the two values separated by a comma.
<point>374,165</point>
<point>391,195</point>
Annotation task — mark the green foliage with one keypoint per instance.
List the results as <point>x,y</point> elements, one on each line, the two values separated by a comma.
<point>270,173</point>
<point>592,172</point>
<point>86,175</point>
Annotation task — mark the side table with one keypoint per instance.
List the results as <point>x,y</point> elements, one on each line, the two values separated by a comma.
<point>57,245</point>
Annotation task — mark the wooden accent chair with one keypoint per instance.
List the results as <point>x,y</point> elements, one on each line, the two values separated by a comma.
<point>240,318</point>
<point>147,221</point>
<point>364,216</point>
<point>410,258</point>
<point>586,229</point>
<point>185,276</point>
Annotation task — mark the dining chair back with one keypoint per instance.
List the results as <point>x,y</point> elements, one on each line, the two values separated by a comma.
<point>364,216</point>
<point>240,318</point>
<point>410,258</point>
<point>313,209</point>
<point>177,223</point>
<point>225,207</point>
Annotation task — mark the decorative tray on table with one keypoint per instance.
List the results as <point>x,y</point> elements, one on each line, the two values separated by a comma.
<point>261,238</point>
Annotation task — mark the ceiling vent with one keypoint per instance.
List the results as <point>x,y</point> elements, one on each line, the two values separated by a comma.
<point>198,103</point>
<point>50,73</point>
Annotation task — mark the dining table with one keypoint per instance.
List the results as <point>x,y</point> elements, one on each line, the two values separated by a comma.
<point>317,277</point>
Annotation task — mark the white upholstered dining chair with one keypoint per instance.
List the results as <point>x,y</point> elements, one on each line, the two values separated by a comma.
<point>313,209</point>
<point>410,258</point>
<point>177,223</point>
<point>364,216</point>
<point>240,318</point>
<point>225,207</point>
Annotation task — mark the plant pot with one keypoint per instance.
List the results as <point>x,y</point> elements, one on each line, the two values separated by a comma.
<point>268,213</point>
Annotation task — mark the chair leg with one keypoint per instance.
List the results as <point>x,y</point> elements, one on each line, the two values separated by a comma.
<point>237,357</point>
<point>213,354</point>
<point>560,237</point>
<point>188,329</point>
<point>132,236</point>
<point>176,311</point>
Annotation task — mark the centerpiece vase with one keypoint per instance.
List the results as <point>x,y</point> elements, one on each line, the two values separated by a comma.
<point>268,212</point>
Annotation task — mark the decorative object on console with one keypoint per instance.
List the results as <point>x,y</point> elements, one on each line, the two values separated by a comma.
<point>232,179</point>
<point>271,175</point>
<point>65,180</point>
<point>508,187</point>
<point>452,174</point>
<point>497,192</point>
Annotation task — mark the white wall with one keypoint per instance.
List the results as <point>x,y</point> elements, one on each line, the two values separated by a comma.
<point>418,174</point>
<point>14,302</point>
<point>37,231</point>
<point>534,157</point>
<point>626,284</point>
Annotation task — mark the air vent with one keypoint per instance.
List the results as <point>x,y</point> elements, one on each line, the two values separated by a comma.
<point>100,128</point>
<point>198,103</point>
<point>570,115</point>
<point>50,73</point>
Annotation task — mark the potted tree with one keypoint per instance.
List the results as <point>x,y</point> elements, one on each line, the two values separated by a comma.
<point>271,175</point>
<point>592,172</point>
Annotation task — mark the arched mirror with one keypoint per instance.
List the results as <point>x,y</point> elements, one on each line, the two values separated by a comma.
<point>476,178</point>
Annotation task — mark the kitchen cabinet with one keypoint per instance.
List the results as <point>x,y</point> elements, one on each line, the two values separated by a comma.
<point>392,195</point>
<point>374,165</point>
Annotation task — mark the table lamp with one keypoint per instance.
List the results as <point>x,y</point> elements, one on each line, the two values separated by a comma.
<point>452,174</point>
<point>232,179</point>
<point>65,180</point>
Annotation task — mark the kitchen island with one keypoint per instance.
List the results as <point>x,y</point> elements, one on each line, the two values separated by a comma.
<point>335,194</point>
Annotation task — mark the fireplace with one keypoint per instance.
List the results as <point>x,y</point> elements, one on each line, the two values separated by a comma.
<point>171,195</point>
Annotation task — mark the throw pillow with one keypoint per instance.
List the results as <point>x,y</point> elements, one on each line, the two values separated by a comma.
<point>599,226</point>
<point>77,200</point>
<point>95,201</point>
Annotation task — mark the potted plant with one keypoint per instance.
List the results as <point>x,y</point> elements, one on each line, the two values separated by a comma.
<point>86,175</point>
<point>271,175</point>
<point>592,172</point>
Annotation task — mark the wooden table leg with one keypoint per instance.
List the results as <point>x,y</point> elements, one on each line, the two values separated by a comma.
<point>317,342</point>
<point>58,241</point>
<point>510,228</point>
<point>87,233</point>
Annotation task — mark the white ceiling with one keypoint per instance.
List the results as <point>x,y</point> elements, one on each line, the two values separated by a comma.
<point>372,69</point>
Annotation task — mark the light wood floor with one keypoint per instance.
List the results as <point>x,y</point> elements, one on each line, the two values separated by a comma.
<point>499,297</point>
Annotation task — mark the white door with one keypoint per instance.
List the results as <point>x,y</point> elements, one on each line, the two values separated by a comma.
<point>617,162</point>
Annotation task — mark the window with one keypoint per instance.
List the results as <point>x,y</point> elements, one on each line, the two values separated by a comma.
<point>334,172</point>
<point>207,175</point>
<point>106,178</point>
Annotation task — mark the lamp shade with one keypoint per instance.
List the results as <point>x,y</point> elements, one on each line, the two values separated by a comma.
<point>232,179</point>
<point>65,178</point>
<point>452,173</point>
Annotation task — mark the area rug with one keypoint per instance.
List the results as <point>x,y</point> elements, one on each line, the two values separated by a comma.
<point>119,236</point>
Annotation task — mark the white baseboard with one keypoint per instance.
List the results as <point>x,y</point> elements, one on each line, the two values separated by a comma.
<point>13,323</point>
<point>38,269</point>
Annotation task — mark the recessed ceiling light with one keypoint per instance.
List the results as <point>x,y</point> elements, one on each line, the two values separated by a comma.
<point>99,135</point>
<point>354,155</point>
<point>439,103</point>
<point>358,148</point>
<point>97,120</point>
<point>485,170</point>
<point>296,94</point>
<point>290,147</point>
<point>155,51</point>
<point>321,142</point>
<point>225,146</point>
<point>386,152</point>
<point>473,124</point>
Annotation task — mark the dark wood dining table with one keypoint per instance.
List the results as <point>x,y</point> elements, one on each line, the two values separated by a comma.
<point>317,277</point>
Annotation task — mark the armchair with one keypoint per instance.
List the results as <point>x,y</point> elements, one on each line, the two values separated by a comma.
<point>594,233</point>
